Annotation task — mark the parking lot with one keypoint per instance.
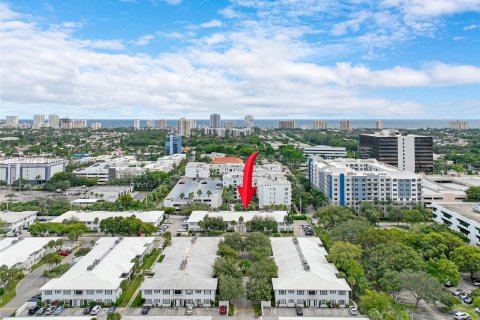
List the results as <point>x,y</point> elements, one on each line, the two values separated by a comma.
<point>170,312</point>
<point>298,229</point>
<point>174,222</point>
<point>307,312</point>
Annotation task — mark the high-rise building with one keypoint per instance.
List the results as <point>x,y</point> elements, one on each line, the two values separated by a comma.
<point>185,126</point>
<point>65,123</point>
<point>161,124</point>
<point>150,124</point>
<point>345,125</point>
<point>136,124</point>
<point>286,124</point>
<point>249,121</point>
<point>406,152</point>
<point>228,124</point>
<point>215,120</point>
<point>173,144</point>
<point>459,125</point>
<point>38,121</point>
<point>78,124</point>
<point>54,121</point>
<point>379,124</point>
<point>319,125</point>
<point>11,121</point>
<point>96,125</point>
<point>348,182</point>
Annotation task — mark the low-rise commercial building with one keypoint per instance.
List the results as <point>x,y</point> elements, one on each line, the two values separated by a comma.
<point>185,276</point>
<point>17,221</point>
<point>463,217</point>
<point>92,219</point>
<point>98,275</point>
<point>305,276</point>
<point>326,152</point>
<point>22,253</point>
<point>348,182</point>
<point>34,170</point>
<point>237,220</point>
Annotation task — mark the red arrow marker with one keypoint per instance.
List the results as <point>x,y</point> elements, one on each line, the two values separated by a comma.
<point>247,191</point>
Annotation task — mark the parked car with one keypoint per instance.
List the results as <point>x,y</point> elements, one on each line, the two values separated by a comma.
<point>49,311</point>
<point>468,299</point>
<point>145,309</point>
<point>111,309</point>
<point>309,232</point>
<point>40,311</point>
<point>476,282</point>
<point>223,310</point>
<point>95,310</point>
<point>476,310</point>
<point>33,310</point>
<point>460,315</point>
<point>189,311</point>
<point>299,310</point>
<point>457,292</point>
<point>64,254</point>
<point>447,283</point>
<point>87,310</point>
<point>463,295</point>
<point>36,298</point>
<point>58,310</point>
<point>353,310</point>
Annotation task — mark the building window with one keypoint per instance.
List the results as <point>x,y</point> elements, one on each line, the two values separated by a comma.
<point>198,291</point>
<point>323,292</point>
<point>311,292</point>
<point>78,292</point>
<point>166,291</point>
<point>58,291</point>
<point>282,301</point>
<point>342,292</point>
<point>166,301</point>
<point>177,292</point>
<point>148,291</point>
<point>99,291</point>
<point>333,291</point>
<point>291,291</point>
<point>282,292</point>
<point>189,291</point>
<point>67,292</point>
<point>300,292</point>
<point>90,292</point>
<point>108,291</point>
<point>208,291</point>
<point>206,301</point>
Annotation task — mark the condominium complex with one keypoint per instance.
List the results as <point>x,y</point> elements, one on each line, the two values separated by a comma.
<point>54,121</point>
<point>286,124</point>
<point>22,253</point>
<point>379,125</point>
<point>326,152</point>
<point>185,276</point>
<point>222,132</point>
<point>215,120</point>
<point>161,124</point>
<point>249,123</point>
<point>305,277</point>
<point>237,220</point>
<point>97,276</point>
<point>319,125</point>
<point>38,121</point>
<point>96,125</point>
<point>345,125</point>
<point>459,125</point>
<point>173,144</point>
<point>462,217</point>
<point>17,221</point>
<point>137,124</point>
<point>348,182</point>
<point>34,170</point>
<point>185,126</point>
<point>404,151</point>
<point>11,121</point>
<point>193,190</point>
<point>228,124</point>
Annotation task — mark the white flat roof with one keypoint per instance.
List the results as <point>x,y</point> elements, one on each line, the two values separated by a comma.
<point>13,251</point>
<point>85,216</point>
<point>115,260</point>
<point>197,216</point>
<point>12,217</point>
<point>198,273</point>
<point>292,275</point>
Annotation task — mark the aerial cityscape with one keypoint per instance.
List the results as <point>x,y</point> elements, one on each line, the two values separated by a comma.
<point>237,159</point>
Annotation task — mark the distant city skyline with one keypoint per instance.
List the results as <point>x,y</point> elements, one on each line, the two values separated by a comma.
<point>313,59</point>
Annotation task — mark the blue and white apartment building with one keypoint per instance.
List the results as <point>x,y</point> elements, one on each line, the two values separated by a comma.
<point>348,182</point>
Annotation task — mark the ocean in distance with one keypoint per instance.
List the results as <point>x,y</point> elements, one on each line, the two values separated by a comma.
<point>300,123</point>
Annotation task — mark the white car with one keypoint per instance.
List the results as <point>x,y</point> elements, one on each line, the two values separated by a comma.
<point>95,310</point>
<point>353,310</point>
<point>460,315</point>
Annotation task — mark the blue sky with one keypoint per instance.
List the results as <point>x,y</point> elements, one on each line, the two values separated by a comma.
<point>273,59</point>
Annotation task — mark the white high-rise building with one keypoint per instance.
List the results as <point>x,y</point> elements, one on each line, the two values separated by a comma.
<point>215,120</point>
<point>11,121</point>
<point>136,124</point>
<point>319,125</point>
<point>379,124</point>
<point>249,121</point>
<point>54,121</point>
<point>228,124</point>
<point>96,125</point>
<point>38,121</point>
<point>185,126</point>
<point>345,125</point>
<point>459,125</point>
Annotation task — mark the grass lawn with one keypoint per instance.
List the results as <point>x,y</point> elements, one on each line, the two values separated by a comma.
<point>9,293</point>
<point>150,259</point>
<point>130,290</point>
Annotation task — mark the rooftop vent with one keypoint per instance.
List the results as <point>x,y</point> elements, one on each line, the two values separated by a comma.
<point>183,265</point>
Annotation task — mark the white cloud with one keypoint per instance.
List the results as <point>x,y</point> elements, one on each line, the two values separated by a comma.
<point>211,24</point>
<point>144,40</point>
<point>173,2</point>
<point>472,27</point>
<point>429,8</point>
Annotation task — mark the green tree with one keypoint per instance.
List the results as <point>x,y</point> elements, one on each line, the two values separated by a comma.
<point>224,250</point>
<point>226,267</point>
<point>467,259</point>
<point>390,282</point>
<point>259,289</point>
<point>443,269</point>
<point>421,285</point>
<point>212,224</point>
<point>52,259</point>
<point>332,216</point>
<point>230,288</point>
<point>412,216</point>
<point>167,239</point>
<point>255,240</point>
<point>234,240</point>
<point>244,265</point>
<point>343,251</point>
<point>261,224</point>
<point>114,316</point>
<point>373,300</point>
<point>265,268</point>
<point>350,230</point>
<point>370,212</point>
<point>3,227</point>
<point>473,194</point>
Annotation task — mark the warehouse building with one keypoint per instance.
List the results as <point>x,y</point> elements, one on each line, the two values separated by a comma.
<point>34,170</point>
<point>185,276</point>
<point>98,275</point>
<point>305,276</point>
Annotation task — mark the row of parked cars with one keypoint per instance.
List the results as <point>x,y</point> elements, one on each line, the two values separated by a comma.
<point>45,311</point>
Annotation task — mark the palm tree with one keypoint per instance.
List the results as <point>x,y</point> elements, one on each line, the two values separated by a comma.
<point>199,193</point>
<point>182,195</point>
<point>209,193</point>
<point>52,259</point>
<point>190,195</point>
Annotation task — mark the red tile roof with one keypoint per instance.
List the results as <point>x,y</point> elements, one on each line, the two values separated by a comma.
<point>227,160</point>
